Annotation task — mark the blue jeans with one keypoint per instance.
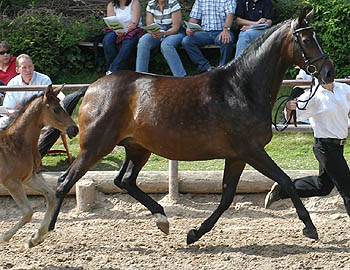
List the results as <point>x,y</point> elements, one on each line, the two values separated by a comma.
<point>192,44</point>
<point>118,61</point>
<point>244,38</point>
<point>168,47</point>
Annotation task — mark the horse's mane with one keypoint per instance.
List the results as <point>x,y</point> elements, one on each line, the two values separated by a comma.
<point>253,49</point>
<point>21,108</point>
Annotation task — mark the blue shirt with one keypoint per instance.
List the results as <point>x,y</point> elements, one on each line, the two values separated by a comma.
<point>212,13</point>
<point>12,99</point>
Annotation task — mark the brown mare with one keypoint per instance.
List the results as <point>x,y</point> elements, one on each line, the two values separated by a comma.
<point>225,113</point>
<point>20,158</point>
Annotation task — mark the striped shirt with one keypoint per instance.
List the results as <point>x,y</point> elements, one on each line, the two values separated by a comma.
<point>164,17</point>
<point>212,13</point>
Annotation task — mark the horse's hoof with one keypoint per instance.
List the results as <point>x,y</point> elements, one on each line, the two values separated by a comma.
<point>310,233</point>
<point>162,223</point>
<point>30,244</point>
<point>192,237</point>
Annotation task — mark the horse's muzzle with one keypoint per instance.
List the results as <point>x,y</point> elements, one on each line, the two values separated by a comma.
<point>72,131</point>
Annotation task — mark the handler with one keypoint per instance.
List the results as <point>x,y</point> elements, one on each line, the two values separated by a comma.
<point>328,114</point>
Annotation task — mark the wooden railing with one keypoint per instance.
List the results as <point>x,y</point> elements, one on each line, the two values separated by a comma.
<point>74,87</point>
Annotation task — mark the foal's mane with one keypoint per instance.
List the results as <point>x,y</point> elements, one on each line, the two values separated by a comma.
<point>21,109</point>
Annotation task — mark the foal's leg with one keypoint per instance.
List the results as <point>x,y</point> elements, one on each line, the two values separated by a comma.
<point>232,173</point>
<point>37,184</point>
<point>16,190</point>
<point>136,157</point>
<point>262,162</point>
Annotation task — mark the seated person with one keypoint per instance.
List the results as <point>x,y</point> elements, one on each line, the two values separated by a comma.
<point>250,13</point>
<point>166,13</point>
<point>129,12</point>
<point>216,26</point>
<point>7,65</point>
<point>27,76</point>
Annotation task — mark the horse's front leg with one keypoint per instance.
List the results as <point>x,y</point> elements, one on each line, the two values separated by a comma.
<point>232,173</point>
<point>261,161</point>
<point>36,183</point>
<point>134,161</point>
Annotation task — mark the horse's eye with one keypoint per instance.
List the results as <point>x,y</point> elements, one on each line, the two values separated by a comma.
<point>307,41</point>
<point>57,110</point>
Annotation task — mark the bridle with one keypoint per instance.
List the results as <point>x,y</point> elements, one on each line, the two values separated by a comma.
<point>310,68</point>
<point>309,64</point>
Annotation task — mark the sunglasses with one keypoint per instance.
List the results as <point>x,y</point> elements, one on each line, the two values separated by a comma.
<point>2,53</point>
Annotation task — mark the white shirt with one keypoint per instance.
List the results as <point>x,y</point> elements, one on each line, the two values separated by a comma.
<point>124,15</point>
<point>14,98</point>
<point>327,111</point>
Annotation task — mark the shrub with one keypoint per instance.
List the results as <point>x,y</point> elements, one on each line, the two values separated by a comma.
<point>332,23</point>
<point>51,40</point>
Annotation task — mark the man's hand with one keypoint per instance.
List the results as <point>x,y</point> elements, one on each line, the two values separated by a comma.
<point>225,36</point>
<point>291,105</point>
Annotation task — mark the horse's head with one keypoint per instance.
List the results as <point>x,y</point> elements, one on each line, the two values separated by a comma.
<point>307,53</point>
<point>55,115</point>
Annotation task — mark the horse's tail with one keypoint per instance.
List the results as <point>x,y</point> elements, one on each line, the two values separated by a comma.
<point>48,139</point>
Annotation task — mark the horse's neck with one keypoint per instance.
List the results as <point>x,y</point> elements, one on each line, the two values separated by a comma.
<point>269,65</point>
<point>27,125</point>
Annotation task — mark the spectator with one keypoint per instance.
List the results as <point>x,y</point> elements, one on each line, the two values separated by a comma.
<point>216,18</point>
<point>250,14</point>
<point>118,46</point>
<point>7,63</point>
<point>166,13</point>
<point>328,114</point>
<point>27,76</point>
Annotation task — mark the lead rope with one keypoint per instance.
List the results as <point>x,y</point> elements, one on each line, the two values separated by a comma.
<point>284,100</point>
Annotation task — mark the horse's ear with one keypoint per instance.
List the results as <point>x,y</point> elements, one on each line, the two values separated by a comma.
<point>310,15</point>
<point>58,90</point>
<point>302,16</point>
<point>49,90</point>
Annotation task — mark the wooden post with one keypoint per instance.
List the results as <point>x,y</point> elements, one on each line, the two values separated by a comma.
<point>86,194</point>
<point>173,181</point>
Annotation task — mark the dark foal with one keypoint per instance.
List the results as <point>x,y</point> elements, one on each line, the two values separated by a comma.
<point>225,113</point>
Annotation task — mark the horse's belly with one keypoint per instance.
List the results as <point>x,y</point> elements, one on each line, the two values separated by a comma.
<point>187,148</point>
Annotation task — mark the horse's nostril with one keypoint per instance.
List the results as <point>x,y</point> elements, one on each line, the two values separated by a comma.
<point>72,131</point>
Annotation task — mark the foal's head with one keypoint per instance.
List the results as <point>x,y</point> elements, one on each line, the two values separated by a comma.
<point>306,51</point>
<point>54,115</point>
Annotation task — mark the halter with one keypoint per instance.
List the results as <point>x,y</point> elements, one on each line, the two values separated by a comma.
<point>309,67</point>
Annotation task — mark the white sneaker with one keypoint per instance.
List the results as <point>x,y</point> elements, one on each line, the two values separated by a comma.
<point>108,72</point>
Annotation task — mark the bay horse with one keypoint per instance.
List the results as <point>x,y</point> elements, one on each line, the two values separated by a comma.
<point>224,113</point>
<point>20,157</point>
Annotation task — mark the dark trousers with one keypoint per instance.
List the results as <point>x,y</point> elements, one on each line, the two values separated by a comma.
<point>333,171</point>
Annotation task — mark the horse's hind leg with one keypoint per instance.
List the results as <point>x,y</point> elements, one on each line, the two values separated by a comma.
<point>37,184</point>
<point>232,173</point>
<point>136,157</point>
<point>16,190</point>
<point>261,161</point>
